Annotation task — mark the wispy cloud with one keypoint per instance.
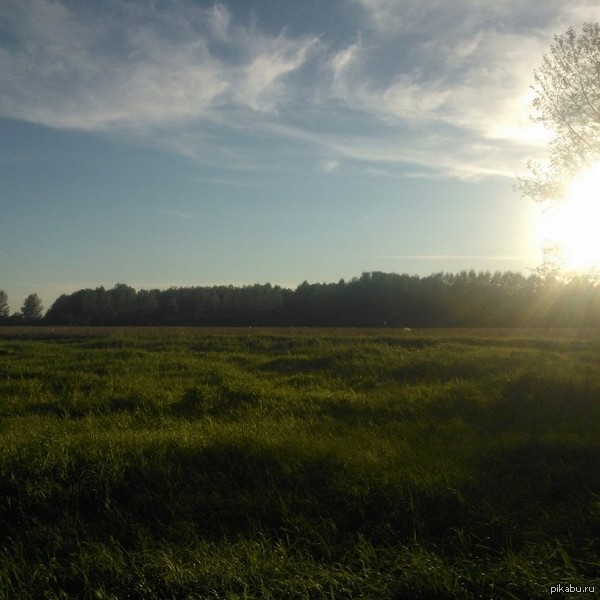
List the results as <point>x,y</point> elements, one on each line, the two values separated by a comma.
<point>139,68</point>
<point>261,86</point>
<point>469,68</point>
<point>421,85</point>
<point>81,71</point>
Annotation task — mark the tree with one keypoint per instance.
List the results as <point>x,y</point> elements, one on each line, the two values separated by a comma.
<point>32,308</point>
<point>567,101</point>
<point>3,304</point>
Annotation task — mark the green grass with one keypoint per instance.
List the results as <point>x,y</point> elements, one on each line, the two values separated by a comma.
<point>319,464</point>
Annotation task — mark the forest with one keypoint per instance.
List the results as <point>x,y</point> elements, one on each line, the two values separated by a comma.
<point>375,299</point>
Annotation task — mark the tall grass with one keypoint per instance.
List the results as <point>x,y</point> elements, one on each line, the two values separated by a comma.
<point>182,463</point>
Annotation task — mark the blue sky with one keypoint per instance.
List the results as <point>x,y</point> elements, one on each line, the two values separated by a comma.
<point>181,142</point>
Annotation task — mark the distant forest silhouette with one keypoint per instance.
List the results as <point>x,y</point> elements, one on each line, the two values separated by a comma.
<point>376,299</point>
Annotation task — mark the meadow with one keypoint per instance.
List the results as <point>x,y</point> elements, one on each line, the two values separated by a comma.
<point>192,463</point>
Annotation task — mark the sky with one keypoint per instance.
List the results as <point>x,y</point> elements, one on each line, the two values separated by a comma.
<point>183,142</point>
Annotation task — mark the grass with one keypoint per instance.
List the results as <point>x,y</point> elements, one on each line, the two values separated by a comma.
<point>321,464</point>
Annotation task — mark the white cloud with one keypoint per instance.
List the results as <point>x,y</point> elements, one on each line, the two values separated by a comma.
<point>480,58</point>
<point>427,17</point>
<point>66,74</point>
<point>396,16</point>
<point>68,71</point>
<point>261,86</point>
<point>344,63</point>
<point>477,85</point>
<point>220,19</point>
<point>468,69</point>
<point>408,99</point>
<point>329,165</point>
<point>419,84</point>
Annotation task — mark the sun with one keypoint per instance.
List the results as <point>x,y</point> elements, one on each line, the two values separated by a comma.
<point>572,225</point>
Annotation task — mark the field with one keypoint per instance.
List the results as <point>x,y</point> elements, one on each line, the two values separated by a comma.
<point>328,464</point>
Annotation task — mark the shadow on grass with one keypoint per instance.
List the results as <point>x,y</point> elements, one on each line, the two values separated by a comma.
<point>528,495</point>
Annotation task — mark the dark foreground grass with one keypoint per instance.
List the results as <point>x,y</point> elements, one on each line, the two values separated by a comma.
<point>182,463</point>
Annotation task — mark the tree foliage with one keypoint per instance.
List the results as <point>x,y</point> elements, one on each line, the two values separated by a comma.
<point>567,101</point>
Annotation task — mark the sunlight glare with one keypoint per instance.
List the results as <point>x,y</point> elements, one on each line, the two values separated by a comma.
<point>572,224</point>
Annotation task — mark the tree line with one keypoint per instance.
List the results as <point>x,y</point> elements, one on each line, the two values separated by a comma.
<point>376,299</point>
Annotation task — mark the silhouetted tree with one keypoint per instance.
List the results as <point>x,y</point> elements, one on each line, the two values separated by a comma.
<point>122,301</point>
<point>148,303</point>
<point>32,309</point>
<point>3,305</point>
